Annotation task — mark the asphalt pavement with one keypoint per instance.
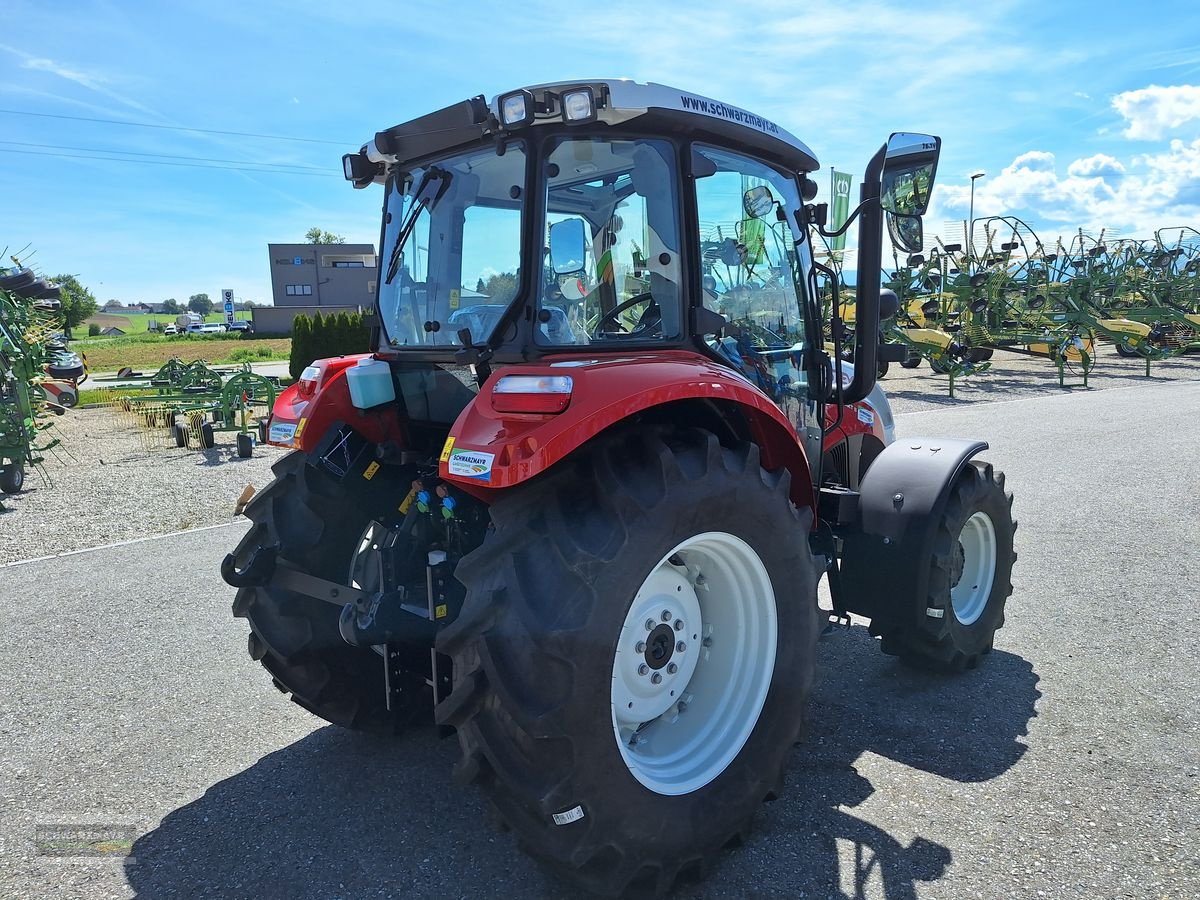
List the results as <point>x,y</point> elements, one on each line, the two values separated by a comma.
<point>1067,765</point>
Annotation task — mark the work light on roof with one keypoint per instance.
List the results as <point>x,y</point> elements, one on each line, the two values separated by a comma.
<point>516,109</point>
<point>578,105</point>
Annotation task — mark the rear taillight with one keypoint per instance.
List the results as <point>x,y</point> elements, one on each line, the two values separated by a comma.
<point>546,394</point>
<point>310,380</point>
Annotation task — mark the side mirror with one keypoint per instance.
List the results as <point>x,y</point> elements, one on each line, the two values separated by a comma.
<point>568,247</point>
<point>909,166</point>
<point>758,201</point>
<point>889,303</point>
<point>906,231</point>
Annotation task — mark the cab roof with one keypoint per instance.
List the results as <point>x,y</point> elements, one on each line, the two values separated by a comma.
<point>617,101</point>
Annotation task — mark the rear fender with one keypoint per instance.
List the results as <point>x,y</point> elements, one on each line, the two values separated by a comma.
<point>302,422</point>
<point>488,451</point>
<point>885,561</point>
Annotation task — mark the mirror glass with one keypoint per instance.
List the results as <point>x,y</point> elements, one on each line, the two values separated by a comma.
<point>908,171</point>
<point>906,232</point>
<point>568,246</point>
<point>758,201</point>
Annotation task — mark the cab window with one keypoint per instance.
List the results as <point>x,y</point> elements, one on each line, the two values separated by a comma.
<point>749,268</point>
<point>611,271</point>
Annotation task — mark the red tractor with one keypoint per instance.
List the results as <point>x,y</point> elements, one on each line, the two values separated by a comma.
<point>577,501</point>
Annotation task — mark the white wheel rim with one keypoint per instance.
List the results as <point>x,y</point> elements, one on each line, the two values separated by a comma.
<point>969,595</point>
<point>681,717</point>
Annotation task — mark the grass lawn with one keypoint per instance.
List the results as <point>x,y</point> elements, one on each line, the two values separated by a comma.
<point>149,351</point>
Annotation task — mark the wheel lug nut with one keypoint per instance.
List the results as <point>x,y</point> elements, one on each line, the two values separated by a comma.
<point>672,669</point>
<point>680,647</point>
<point>641,647</point>
<point>643,669</point>
<point>666,616</point>
<point>708,642</point>
<point>656,678</point>
<point>679,624</point>
<point>649,624</point>
<point>681,706</point>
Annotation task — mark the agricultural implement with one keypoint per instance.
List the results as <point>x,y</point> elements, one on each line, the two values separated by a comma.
<point>582,520</point>
<point>27,304</point>
<point>193,402</point>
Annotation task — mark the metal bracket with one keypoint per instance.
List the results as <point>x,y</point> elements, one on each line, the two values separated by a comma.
<point>312,586</point>
<point>393,677</point>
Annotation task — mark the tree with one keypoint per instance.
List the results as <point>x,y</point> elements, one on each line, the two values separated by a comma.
<point>501,287</point>
<point>78,303</point>
<point>301,345</point>
<point>199,303</point>
<point>172,307</point>
<point>114,304</point>
<point>317,236</point>
<point>480,286</point>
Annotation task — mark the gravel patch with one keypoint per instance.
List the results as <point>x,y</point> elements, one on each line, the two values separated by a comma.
<point>1015,376</point>
<point>110,480</point>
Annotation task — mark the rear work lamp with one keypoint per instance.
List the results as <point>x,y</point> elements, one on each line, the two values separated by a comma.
<point>516,109</point>
<point>578,105</point>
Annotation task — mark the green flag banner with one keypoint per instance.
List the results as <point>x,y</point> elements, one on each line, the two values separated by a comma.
<point>839,209</point>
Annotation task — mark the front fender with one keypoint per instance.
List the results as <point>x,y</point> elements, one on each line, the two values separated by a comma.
<point>886,559</point>
<point>489,450</point>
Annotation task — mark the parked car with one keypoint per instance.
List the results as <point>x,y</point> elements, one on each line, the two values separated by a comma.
<point>171,329</point>
<point>207,328</point>
<point>241,325</point>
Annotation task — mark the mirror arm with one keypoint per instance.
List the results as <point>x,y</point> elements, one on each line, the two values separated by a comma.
<point>820,229</point>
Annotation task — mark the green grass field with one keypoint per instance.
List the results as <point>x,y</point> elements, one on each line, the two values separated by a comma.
<point>140,348</point>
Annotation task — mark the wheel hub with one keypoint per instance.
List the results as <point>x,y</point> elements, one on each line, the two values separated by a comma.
<point>660,646</point>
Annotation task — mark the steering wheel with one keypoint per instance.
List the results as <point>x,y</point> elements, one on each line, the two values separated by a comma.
<point>647,321</point>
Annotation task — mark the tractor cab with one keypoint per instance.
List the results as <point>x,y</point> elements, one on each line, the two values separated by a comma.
<point>609,218</point>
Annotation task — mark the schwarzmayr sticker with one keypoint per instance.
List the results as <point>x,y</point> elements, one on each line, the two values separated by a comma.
<point>471,464</point>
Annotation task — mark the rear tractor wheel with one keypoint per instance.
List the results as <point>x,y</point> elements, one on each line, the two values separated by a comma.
<point>319,526</point>
<point>634,655</point>
<point>969,579</point>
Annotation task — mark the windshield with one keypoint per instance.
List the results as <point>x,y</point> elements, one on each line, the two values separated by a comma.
<point>451,247</point>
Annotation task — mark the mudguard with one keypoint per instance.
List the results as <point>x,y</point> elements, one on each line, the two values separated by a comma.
<point>885,561</point>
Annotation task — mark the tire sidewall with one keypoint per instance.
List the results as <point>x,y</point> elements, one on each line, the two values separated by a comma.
<point>601,778</point>
<point>987,497</point>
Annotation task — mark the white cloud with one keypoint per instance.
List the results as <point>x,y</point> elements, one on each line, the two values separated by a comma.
<point>1099,166</point>
<point>93,82</point>
<point>1153,111</point>
<point>1133,197</point>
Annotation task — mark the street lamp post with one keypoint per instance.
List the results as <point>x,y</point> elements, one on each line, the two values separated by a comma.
<point>971,222</point>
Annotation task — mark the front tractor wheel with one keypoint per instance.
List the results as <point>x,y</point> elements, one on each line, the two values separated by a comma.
<point>970,575</point>
<point>633,659</point>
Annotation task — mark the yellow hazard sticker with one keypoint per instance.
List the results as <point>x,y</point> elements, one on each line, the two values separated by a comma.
<point>407,502</point>
<point>447,449</point>
<point>440,611</point>
<point>454,298</point>
<point>370,471</point>
<point>300,427</point>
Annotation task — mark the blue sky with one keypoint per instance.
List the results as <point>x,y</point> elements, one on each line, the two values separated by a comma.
<point>1080,115</point>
